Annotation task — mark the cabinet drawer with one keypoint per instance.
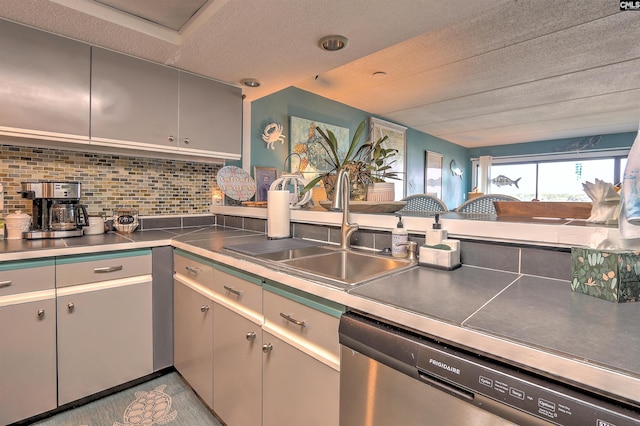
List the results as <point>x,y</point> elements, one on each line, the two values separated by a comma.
<point>193,268</point>
<point>26,276</point>
<point>300,320</point>
<point>74,270</point>
<point>238,290</point>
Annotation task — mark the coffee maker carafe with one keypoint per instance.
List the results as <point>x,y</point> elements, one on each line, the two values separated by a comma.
<point>57,212</point>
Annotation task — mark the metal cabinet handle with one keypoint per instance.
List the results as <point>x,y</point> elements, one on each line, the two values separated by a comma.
<point>204,308</point>
<point>171,138</point>
<point>267,348</point>
<point>4,284</point>
<point>293,320</point>
<point>71,306</point>
<point>107,269</point>
<point>251,336</point>
<point>40,313</point>
<point>192,269</point>
<point>233,291</point>
<point>186,141</point>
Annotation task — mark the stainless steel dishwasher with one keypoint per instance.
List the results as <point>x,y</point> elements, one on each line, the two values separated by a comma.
<point>391,376</point>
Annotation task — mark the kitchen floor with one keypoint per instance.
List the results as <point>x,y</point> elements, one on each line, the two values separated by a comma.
<point>163,400</point>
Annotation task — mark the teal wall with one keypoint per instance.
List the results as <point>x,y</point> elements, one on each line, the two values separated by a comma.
<point>277,108</point>
<point>292,101</point>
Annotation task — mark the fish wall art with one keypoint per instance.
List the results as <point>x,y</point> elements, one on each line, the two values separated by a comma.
<point>502,180</point>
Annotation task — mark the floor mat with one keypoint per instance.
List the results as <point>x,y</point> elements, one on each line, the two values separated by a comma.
<point>164,400</point>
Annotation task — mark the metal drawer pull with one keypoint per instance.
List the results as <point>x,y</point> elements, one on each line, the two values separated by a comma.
<point>4,284</point>
<point>233,291</point>
<point>293,320</point>
<point>204,308</point>
<point>267,348</point>
<point>192,269</point>
<point>251,336</point>
<point>40,313</point>
<point>71,306</point>
<point>107,269</point>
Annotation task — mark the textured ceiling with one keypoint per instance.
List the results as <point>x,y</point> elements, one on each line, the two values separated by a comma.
<point>477,73</point>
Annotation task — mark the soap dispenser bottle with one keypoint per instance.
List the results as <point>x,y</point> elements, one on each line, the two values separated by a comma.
<point>399,236</point>
<point>436,234</point>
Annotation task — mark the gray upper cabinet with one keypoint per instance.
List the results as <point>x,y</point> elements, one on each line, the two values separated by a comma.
<point>44,84</point>
<point>133,102</point>
<point>210,115</point>
<point>144,105</point>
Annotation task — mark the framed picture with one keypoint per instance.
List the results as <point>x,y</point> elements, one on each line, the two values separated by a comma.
<point>433,174</point>
<point>264,177</point>
<point>397,139</point>
<point>308,155</point>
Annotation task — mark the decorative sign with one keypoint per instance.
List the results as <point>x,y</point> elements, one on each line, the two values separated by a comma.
<point>236,183</point>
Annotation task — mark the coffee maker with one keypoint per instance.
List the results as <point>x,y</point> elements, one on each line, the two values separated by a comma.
<point>56,211</point>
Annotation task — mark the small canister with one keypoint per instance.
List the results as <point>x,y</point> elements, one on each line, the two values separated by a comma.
<point>96,226</point>
<point>17,223</point>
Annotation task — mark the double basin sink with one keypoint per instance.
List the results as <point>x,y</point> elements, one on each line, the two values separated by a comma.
<point>346,267</point>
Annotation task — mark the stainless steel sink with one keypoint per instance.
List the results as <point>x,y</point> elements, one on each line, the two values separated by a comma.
<point>345,266</point>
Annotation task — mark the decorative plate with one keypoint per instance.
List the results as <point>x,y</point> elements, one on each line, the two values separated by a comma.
<point>236,183</point>
<point>370,206</point>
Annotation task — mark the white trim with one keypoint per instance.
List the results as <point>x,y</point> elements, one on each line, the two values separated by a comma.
<point>558,156</point>
<point>33,296</point>
<point>103,285</point>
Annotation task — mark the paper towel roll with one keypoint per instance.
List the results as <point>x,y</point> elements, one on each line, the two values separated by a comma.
<point>278,214</point>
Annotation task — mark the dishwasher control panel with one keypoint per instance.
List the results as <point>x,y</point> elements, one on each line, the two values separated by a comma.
<point>465,375</point>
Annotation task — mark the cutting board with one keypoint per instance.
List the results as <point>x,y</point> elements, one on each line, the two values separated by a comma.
<point>559,209</point>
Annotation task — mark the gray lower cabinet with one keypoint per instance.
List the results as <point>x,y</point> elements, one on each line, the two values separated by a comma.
<point>105,325</point>
<point>45,83</point>
<point>193,339</point>
<point>237,365</point>
<point>27,339</point>
<point>297,389</point>
<point>301,364</point>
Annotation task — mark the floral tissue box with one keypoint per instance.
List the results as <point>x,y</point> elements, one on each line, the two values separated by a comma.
<point>612,275</point>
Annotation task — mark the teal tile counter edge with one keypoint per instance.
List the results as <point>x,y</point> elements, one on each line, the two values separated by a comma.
<point>315,302</point>
<point>63,260</point>
<point>23,264</point>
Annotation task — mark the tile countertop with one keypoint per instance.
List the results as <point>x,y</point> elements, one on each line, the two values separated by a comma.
<point>534,322</point>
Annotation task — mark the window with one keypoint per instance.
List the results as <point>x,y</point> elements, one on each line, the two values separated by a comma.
<point>554,177</point>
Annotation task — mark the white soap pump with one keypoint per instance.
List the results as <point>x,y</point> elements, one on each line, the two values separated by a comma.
<point>399,238</point>
<point>436,234</point>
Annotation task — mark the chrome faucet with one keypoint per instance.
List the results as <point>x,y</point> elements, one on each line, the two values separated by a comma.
<point>341,195</point>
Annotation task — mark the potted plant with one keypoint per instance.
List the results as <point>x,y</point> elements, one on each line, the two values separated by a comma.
<point>355,160</point>
<point>380,168</point>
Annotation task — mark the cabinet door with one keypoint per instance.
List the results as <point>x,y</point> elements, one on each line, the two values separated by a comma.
<point>193,339</point>
<point>210,115</point>
<point>237,368</point>
<point>104,336</point>
<point>45,82</point>
<point>297,389</point>
<point>27,359</point>
<point>133,101</point>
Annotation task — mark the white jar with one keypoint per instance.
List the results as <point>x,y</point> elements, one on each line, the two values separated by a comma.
<point>96,226</point>
<point>17,223</point>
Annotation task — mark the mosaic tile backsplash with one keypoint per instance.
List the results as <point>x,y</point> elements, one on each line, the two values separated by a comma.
<point>152,186</point>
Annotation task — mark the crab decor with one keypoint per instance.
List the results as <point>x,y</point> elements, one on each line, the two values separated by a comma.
<point>272,134</point>
<point>149,408</point>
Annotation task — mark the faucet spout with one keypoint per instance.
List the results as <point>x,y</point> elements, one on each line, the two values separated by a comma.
<point>341,202</point>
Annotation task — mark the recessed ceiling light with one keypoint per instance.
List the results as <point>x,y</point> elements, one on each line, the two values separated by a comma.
<point>333,42</point>
<point>379,74</point>
<point>250,82</point>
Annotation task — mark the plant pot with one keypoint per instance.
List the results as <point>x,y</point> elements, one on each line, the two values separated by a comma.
<point>381,191</point>
<point>358,191</point>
